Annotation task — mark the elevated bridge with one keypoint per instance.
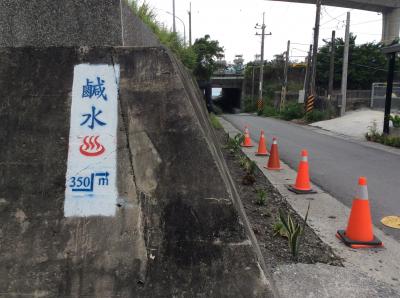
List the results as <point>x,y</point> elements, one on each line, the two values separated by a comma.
<point>390,10</point>
<point>232,90</point>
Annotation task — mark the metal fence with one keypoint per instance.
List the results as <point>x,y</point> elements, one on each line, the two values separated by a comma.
<point>378,96</point>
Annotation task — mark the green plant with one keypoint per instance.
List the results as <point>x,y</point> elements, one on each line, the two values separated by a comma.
<point>233,144</point>
<point>249,105</point>
<point>292,111</point>
<point>316,116</point>
<point>215,122</point>
<point>269,111</point>
<point>250,167</point>
<point>287,227</point>
<point>243,161</point>
<point>395,120</point>
<point>239,138</point>
<point>279,228</point>
<point>261,197</point>
<point>217,109</point>
<point>373,134</point>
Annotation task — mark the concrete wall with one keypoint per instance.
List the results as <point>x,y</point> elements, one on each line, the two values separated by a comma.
<point>178,229</point>
<point>44,23</point>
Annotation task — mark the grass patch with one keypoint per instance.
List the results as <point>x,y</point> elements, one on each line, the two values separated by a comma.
<point>215,122</point>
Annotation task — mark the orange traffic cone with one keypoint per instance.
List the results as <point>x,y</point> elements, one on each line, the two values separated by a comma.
<point>273,160</point>
<point>359,232</point>
<point>302,185</point>
<point>262,145</point>
<point>247,140</point>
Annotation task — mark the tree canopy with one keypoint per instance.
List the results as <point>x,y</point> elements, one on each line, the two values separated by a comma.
<point>206,51</point>
<point>367,64</point>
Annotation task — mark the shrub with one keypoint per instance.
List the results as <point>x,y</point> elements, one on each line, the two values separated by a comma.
<point>374,136</point>
<point>269,111</point>
<point>292,111</point>
<point>249,105</point>
<point>217,109</point>
<point>395,120</point>
<point>316,116</point>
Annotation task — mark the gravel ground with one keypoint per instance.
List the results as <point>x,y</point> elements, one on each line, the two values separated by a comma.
<point>262,218</point>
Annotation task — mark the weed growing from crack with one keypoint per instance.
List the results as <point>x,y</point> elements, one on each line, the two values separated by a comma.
<point>293,231</point>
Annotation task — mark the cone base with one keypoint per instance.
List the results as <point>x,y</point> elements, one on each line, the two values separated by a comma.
<point>246,146</point>
<point>292,188</point>
<point>262,154</point>
<point>272,169</point>
<point>341,234</point>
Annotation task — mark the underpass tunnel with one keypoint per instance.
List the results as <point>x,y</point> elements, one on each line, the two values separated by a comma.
<point>229,100</point>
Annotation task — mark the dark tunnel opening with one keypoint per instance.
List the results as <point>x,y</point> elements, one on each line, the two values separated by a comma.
<point>229,100</point>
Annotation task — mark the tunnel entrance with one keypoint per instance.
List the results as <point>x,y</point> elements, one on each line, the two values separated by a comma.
<point>229,100</point>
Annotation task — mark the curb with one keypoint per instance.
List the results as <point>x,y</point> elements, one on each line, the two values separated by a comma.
<point>326,216</point>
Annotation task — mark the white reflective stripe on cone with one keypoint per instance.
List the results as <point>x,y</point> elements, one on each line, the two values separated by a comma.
<point>362,192</point>
<point>304,158</point>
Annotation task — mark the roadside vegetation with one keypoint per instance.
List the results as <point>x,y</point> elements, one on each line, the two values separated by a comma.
<point>291,111</point>
<point>286,225</point>
<point>283,235</point>
<point>367,65</point>
<point>199,58</point>
<point>215,122</point>
<point>374,135</point>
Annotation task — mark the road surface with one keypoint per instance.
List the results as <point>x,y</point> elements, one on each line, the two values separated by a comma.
<point>335,163</point>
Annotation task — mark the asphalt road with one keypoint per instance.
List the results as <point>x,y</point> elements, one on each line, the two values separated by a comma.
<point>335,163</point>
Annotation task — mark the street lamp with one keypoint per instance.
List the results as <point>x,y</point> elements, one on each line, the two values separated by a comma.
<point>183,23</point>
<point>178,18</point>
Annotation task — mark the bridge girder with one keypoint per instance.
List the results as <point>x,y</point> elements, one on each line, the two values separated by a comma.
<point>371,5</point>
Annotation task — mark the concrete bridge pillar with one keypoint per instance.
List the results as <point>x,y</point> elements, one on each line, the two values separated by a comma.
<point>390,25</point>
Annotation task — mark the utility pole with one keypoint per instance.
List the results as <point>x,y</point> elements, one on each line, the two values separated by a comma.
<point>260,89</point>
<point>190,24</point>
<point>306,86</point>
<point>345,65</point>
<point>332,66</point>
<point>389,90</point>
<point>285,78</point>
<point>173,17</point>
<point>315,48</point>
<point>252,86</point>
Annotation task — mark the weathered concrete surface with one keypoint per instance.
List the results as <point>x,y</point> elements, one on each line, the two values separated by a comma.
<point>320,280</point>
<point>179,229</point>
<point>43,23</point>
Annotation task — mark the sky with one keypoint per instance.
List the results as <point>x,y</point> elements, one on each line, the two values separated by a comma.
<point>232,22</point>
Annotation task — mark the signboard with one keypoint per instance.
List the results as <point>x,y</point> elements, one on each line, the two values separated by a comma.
<point>91,170</point>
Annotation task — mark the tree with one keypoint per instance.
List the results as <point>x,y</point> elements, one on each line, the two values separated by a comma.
<point>169,39</point>
<point>367,64</point>
<point>206,51</point>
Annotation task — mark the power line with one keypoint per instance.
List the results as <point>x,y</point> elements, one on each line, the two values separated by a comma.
<point>367,22</point>
<point>333,18</point>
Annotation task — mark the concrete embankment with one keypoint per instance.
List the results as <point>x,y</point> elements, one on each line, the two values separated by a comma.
<point>178,228</point>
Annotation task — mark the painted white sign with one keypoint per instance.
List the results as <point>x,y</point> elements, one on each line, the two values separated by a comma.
<point>91,172</point>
